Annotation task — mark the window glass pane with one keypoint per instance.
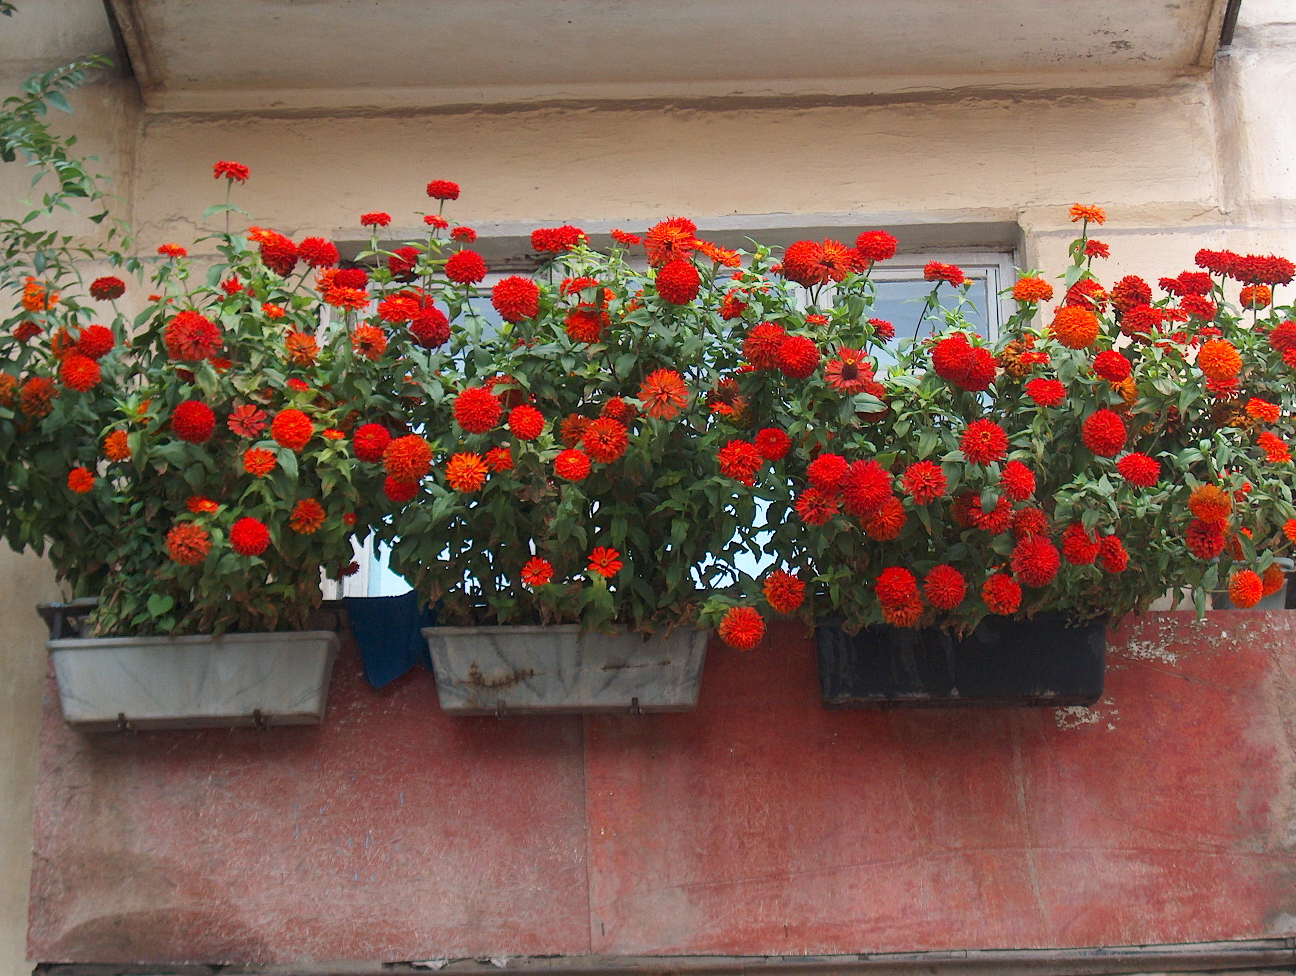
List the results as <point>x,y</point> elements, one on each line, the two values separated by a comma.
<point>901,302</point>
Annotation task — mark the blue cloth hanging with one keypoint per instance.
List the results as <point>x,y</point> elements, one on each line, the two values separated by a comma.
<point>387,629</point>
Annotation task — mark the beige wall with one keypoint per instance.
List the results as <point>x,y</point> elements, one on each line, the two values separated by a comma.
<point>1206,161</point>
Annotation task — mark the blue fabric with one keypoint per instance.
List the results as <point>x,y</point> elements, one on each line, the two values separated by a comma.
<point>387,630</point>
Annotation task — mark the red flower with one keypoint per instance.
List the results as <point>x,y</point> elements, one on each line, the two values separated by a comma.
<point>79,372</point>
<point>1104,433</point>
<point>191,337</point>
<point>36,396</point>
<point>465,267</point>
<point>1276,452</point>
<point>585,324</point>
<point>883,329</point>
<point>1210,503</point>
<point>249,537</point>
<point>1078,546</point>
<point>172,251</point>
<point>865,487</point>
<point>925,482</point>
<point>291,429</point>
<point>107,288</point>
<point>193,421</point>
<point>464,235</point>
<point>773,444</point>
<point>398,308</point>
<point>826,471</point>
<point>798,357</point>
<point>526,422</point>
<point>370,442</point>
<point>605,561</point>
<point>536,572</point>
<point>762,345</point>
<point>1075,327</point>
<point>1188,283</point>
<point>784,592</point>
<point>375,219</point>
<point>1046,393</point>
<point>443,190</point>
<point>516,298</point>
<point>234,172</point>
<point>1002,594</point>
<point>402,261</point>
<point>954,359</point>
<point>408,458</point>
<point>317,252</point>
<point>944,587</point>
<point>399,491</point>
<point>1111,366</point>
<point>984,442</point>
<point>555,240</point>
<point>1129,292</point>
<point>1261,410</point>
<point>278,253</point>
<point>80,480</point>
<point>618,409</point>
<point>886,521</point>
<point>742,627</point>
<point>430,328</point>
<point>499,459</point>
<point>200,505</point>
<point>1096,249</point>
<point>678,282</point>
<point>816,507</point>
<point>850,372</point>
<point>896,586</point>
<point>670,240</point>
<point>1112,555</point>
<point>739,460</point>
<point>629,240</point>
<point>875,245</point>
<point>1245,588</point>
<point>997,520</point>
<point>436,221</point>
<point>465,472</point>
<point>307,517</point>
<point>1035,560</point>
<point>663,394</point>
<point>605,440</point>
<point>903,614</point>
<point>1018,481</point>
<point>936,271</point>
<point>188,544</point>
<point>809,263</point>
<point>572,464</point>
<point>732,307</point>
<point>1139,470</point>
<point>1205,540</point>
<point>478,410</point>
<point>25,330</point>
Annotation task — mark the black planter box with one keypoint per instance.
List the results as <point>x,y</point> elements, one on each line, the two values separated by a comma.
<point>1003,663</point>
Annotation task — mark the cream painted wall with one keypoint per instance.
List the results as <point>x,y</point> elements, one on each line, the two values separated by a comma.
<point>1202,163</point>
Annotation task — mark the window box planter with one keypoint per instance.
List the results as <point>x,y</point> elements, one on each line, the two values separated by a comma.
<point>127,683</point>
<point>1003,663</point>
<point>539,670</point>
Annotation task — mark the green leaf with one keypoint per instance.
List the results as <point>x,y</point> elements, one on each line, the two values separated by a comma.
<point>160,603</point>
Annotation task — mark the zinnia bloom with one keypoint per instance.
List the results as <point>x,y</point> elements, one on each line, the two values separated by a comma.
<point>1075,327</point>
<point>605,561</point>
<point>116,446</point>
<point>895,586</point>
<point>302,348</point>
<point>1080,211</point>
<point>944,587</point>
<point>784,592</point>
<point>1129,292</point>
<point>1219,360</point>
<point>193,421</point>
<point>798,357</point>
<point>925,482</point>
<point>443,190</point>
<point>1139,470</point>
<point>1078,546</point>
<point>1210,503</point>
<point>80,480</point>
<point>678,282</point>
<point>629,240</point>
<point>398,308</point>
<point>399,491</point>
<point>1002,594</point>
<point>664,394</point>
<point>827,470</point>
<point>292,429</point>
<point>739,460</point>
<point>954,359</point>
<point>375,219</point>
<point>516,298</point>
<point>1276,452</point>
<point>1035,560</point>
<point>95,341</point>
<point>1245,588</point>
<point>172,251</point>
<point>809,263</point>
<point>465,472</point>
<point>1017,481</point>
<point>605,440</point>
<point>369,341</point>
<point>318,253</point>
<point>107,288</point>
<point>865,487</point>
<point>885,522</point>
<point>762,345</point>
<point>875,245</point>
<point>537,572</point>
<point>1111,366</point>
<point>1032,289</point>
<point>249,537</point>
<point>1046,393</point>
<point>816,506</point>
<point>984,442</point>
<point>408,458</point>
<point>555,240</point>
<point>234,172</point>
<point>202,506</point>
<point>1104,433</point>
<point>278,253</point>
<point>307,516</point>
<point>499,459</point>
<point>1205,540</point>
<point>526,422</point>
<point>572,464</point>
<point>430,328</point>
<point>190,337</point>
<point>402,261</point>
<point>188,544</point>
<point>370,441</point>
<point>742,627</point>
<point>36,396</point>
<point>1112,555</point>
<point>773,443</point>
<point>478,410</point>
<point>883,329</point>
<point>1274,579</point>
<point>465,267</point>
<point>80,373</point>
<point>1262,410</point>
<point>258,462</point>
<point>850,372</point>
<point>585,324</point>
<point>670,240</point>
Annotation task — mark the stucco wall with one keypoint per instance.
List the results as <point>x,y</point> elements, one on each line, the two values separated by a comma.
<point>1206,161</point>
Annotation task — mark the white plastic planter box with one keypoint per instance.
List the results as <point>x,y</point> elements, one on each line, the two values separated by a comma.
<point>194,682</point>
<point>528,670</point>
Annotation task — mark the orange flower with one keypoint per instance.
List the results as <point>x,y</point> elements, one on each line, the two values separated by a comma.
<point>1075,327</point>
<point>1032,289</point>
<point>116,446</point>
<point>605,561</point>
<point>536,572</point>
<point>307,516</point>
<point>1262,410</point>
<point>369,341</point>
<point>302,348</point>
<point>80,480</point>
<point>188,544</point>
<point>604,440</point>
<point>292,428</point>
<point>465,472</point>
<point>1274,579</point>
<point>351,299</point>
<point>8,384</point>
<point>198,505</point>
<point>1219,360</point>
<point>572,464</point>
<point>664,394</point>
<point>742,627</point>
<point>1211,504</point>
<point>258,462</point>
<point>1245,589</point>
<point>784,591</point>
<point>1080,211</point>
<point>670,240</point>
<point>1276,452</point>
<point>408,458</point>
<point>36,397</point>
<point>80,373</point>
<point>273,311</point>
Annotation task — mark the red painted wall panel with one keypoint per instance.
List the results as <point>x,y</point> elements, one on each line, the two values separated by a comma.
<point>761,824</point>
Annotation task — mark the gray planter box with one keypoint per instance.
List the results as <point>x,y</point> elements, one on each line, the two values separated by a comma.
<point>194,682</point>
<point>528,670</point>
